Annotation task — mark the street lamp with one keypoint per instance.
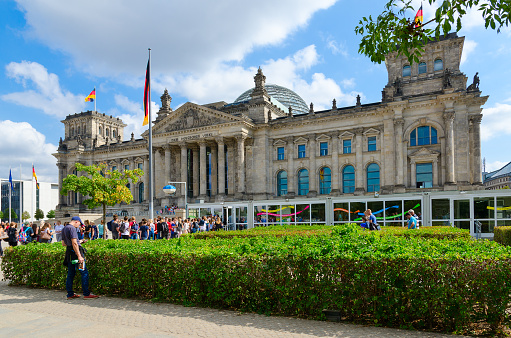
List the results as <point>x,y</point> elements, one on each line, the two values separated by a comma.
<point>171,190</point>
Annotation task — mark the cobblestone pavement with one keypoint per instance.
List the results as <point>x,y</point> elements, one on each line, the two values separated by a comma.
<point>47,313</point>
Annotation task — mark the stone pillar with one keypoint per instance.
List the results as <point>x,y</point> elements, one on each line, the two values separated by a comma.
<point>359,165</point>
<point>291,178</point>
<point>221,165</point>
<point>146,178</point>
<point>184,167</point>
<point>449,146</point>
<point>203,175</point>
<point>214,170</point>
<point>240,140</point>
<point>400,173</point>
<point>167,164</point>
<point>231,170</point>
<point>132,185</point>
<point>335,163</point>
<point>435,172</point>
<point>476,149</point>
<point>413,174</point>
<point>62,173</point>
<point>313,178</point>
<point>195,170</point>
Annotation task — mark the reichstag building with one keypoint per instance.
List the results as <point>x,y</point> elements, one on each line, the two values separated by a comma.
<point>270,145</point>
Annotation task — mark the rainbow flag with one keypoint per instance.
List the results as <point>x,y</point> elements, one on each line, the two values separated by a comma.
<point>92,96</point>
<point>418,18</point>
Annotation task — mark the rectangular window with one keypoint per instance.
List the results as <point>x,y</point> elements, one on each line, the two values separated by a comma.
<point>127,167</point>
<point>141,166</point>
<point>346,146</point>
<point>301,151</point>
<point>371,143</point>
<point>424,175</point>
<point>114,168</point>
<point>280,153</point>
<point>323,149</point>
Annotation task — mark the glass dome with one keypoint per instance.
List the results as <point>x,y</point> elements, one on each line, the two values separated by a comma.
<point>284,96</point>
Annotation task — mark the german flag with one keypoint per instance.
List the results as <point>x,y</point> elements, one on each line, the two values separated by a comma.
<point>35,176</point>
<point>92,96</point>
<point>147,89</point>
<point>418,18</point>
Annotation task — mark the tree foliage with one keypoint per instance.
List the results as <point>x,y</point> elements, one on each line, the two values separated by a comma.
<point>25,215</point>
<point>5,214</point>
<point>39,214</point>
<point>394,31</point>
<point>100,186</point>
<point>50,214</point>
<point>1,215</point>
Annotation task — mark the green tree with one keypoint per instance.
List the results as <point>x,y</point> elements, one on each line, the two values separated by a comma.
<point>1,215</point>
<point>102,187</point>
<point>25,215</point>
<point>39,214</point>
<point>394,30</point>
<point>50,214</point>
<point>6,214</point>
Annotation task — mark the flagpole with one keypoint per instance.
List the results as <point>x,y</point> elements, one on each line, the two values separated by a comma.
<point>95,99</point>
<point>10,194</point>
<point>151,178</point>
<point>32,202</point>
<point>21,199</point>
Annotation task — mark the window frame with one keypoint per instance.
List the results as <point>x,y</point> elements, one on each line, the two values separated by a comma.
<point>372,187</point>
<point>281,191</point>
<point>303,192</point>
<point>414,136</point>
<point>435,63</point>
<point>351,188</point>
<point>408,69</point>
<point>421,164</point>
<point>344,146</point>
<point>302,153</point>
<point>323,151</point>
<point>279,157</point>
<point>370,143</point>
<point>325,185</point>
<point>425,68</point>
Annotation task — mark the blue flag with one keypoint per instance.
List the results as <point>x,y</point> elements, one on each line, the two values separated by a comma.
<point>10,180</point>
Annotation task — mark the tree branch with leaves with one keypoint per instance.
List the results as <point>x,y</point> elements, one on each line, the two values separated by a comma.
<point>101,187</point>
<point>393,31</point>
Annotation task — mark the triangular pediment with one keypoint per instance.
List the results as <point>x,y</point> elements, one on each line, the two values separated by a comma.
<point>323,137</point>
<point>192,116</point>
<point>279,142</point>
<point>371,131</point>
<point>346,134</point>
<point>424,154</point>
<point>301,140</point>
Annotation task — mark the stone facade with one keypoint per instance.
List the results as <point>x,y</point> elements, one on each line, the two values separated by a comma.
<point>423,136</point>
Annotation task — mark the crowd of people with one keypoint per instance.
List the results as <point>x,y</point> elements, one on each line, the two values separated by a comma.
<point>370,222</point>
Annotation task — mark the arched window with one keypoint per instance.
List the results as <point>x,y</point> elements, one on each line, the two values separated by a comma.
<point>72,131</point>
<point>107,131</point>
<point>407,71</point>
<point>114,134</point>
<point>303,182</point>
<point>423,68</point>
<point>282,183</point>
<point>373,177</point>
<point>423,135</point>
<point>78,130</point>
<point>325,180</point>
<point>141,192</point>
<point>100,131</point>
<point>348,179</point>
<point>84,129</point>
<point>439,64</point>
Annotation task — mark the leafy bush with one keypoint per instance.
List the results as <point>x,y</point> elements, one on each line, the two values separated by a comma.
<point>369,277</point>
<point>502,235</point>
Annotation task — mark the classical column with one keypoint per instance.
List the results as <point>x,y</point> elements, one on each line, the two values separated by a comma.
<point>231,170</point>
<point>132,185</point>
<point>335,162</point>
<point>203,175</point>
<point>398,129</point>
<point>435,172</point>
<point>214,170</point>
<point>413,173</point>
<point>313,178</point>
<point>184,167</point>
<point>62,173</point>
<point>476,150</point>
<point>167,164</point>
<point>221,165</point>
<point>449,146</point>
<point>240,140</point>
<point>291,179</point>
<point>146,178</point>
<point>359,165</point>
<point>195,170</point>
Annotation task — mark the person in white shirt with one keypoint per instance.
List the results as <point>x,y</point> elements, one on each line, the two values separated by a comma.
<point>58,231</point>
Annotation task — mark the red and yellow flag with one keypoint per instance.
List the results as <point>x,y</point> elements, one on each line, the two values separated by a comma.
<point>147,88</point>
<point>92,96</point>
<point>35,176</point>
<point>418,18</point>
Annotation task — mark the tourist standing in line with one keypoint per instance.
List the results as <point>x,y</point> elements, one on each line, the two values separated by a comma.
<point>412,221</point>
<point>101,228</point>
<point>124,228</point>
<point>13,235</point>
<point>58,231</point>
<point>115,227</point>
<point>74,251</point>
<point>144,230</point>
<point>45,233</point>
<point>150,224</point>
<point>134,229</point>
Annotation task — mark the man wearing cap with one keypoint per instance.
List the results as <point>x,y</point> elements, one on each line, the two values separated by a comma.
<point>74,251</point>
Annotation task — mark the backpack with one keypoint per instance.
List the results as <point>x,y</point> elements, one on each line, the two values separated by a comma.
<point>23,238</point>
<point>109,225</point>
<point>122,228</point>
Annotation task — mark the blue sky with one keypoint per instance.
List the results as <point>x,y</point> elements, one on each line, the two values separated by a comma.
<point>53,53</point>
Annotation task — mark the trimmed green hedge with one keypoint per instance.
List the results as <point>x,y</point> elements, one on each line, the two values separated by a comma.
<point>386,280</point>
<point>502,235</point>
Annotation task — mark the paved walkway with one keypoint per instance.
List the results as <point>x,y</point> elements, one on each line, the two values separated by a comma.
<point>47,313</point>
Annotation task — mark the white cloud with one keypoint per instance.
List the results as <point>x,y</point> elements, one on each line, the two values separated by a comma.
<point>337,48</point>
<point>112,37</point>
<point>23,144</point>
<point>132,114</point>
<point>43,90</point>
<point>468,47</point>
<point>496,121</point>
<point>495,165</point>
